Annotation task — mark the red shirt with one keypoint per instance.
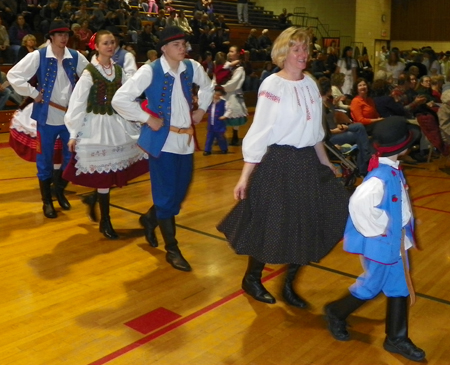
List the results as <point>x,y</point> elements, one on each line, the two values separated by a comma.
<point>363,110</point>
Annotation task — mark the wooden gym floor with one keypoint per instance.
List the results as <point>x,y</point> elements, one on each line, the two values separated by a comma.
<point>71,296</point>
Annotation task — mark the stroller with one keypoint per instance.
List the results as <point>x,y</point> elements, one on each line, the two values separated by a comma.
<point>346,161</point>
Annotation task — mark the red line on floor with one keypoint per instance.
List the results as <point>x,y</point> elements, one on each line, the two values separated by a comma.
<point>428,195</point>
<point>433,177</point>
<point>433,209</point>
<point>4,144</point>
<point>178,323</point>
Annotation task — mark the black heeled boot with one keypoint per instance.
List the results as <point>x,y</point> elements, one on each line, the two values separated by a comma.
<point>105,222</point>
<point>251,283</point>
<point>46,194</point>
<point>173,255</point>
<point>150,222</point>
<point>91,201</point>
<point>397,340</point>
<point>337,312</point>
<point>289,295</point>
<point>60,184</point>
<point>235,139</point>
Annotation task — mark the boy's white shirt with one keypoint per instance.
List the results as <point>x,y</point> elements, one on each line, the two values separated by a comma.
<point>369,220</point>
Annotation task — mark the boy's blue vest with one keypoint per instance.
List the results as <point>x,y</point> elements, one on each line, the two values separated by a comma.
<point>46,76</point>
<point>219,126</point>
<point>159,97</point>
<point>119,57</point>
<point>385,248</point>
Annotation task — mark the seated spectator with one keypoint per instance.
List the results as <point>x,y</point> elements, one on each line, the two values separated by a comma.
<point>199,6</point>
<point>66,13</point>
<point>362,107</point>
<point>283,19</point>
<point>167,5</point>
<point>332,48</point>
<point>5,53</point>
<point>332,60</point>
<point>206,43</point>
<point>420,67</point>
<point>265,43</point>
<point>18,30</point>
<point>342,101</point>
<point>365,68</point>
<point>205,22</point>
<point>208,64</point>
<point>444,116</point>
<point>152,55</point>
<point>431,63</point>
<point>221,41</point>
<point>134,25</point>
<point>219,22</point>
<point>152,6</point>
<point>8,93</point>
<point>160,23</point>
<point>97,20</point>
<point>251,82</point>
<point>267,71</point>
<point>318,67</point>
<point>424,88</point>
<point>436,87</point>
<point>49,12</point>
<point>85,36</point>
<point>394,66</point>
<point>183,23</point>
<point>172,20</point>
<point>339,134</point>
<point>147,40</point>
<point>252,45</point>
<point>28,46</point>
<point>9,10</point>
<point>74,39</point>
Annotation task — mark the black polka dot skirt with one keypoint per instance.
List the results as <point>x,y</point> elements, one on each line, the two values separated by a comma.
<point>295,210</point>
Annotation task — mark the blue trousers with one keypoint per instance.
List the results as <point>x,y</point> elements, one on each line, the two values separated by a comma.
<point>170,175</point>
<point>47,135</point>
<point>211,136</point>
<point>389,279</point>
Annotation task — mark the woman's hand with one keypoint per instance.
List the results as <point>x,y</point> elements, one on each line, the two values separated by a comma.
<point>71,145</point>
<point>240,190</point>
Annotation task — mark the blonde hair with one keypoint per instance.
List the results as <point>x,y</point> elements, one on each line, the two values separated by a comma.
<point>286,40</point>
<point>337,79</point>
<point>26,38</point>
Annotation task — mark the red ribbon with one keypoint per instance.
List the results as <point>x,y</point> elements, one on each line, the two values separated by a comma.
<point>374,163</point>
<point>91,43</point>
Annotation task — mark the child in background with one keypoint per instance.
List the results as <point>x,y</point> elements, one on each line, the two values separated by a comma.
<point>381,229</point>
<point>222,68</point>
<point>216,122</point>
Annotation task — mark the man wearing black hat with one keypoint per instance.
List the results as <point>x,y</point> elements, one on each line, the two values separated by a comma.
<point>380,228</point>
<point>57,69</point>
<point>167,131</point>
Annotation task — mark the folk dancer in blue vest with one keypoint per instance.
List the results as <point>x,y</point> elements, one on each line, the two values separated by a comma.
<point>57,69</point>
<point>166,133</point>
<point>217,115</point>
<point>381,229</point>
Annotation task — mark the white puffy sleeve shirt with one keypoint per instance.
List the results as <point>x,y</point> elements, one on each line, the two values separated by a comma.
<point>369,220</point>
<point>287,113</point>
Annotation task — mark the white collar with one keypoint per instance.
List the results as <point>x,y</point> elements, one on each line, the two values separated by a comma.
<point>389,162</point>
<point>50,54</point>
<point>166,67</point>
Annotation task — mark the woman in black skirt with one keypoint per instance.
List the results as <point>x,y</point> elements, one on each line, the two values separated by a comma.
<point>292,210</point>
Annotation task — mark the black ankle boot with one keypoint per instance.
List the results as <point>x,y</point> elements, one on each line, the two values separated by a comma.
<point>150,222</point>
<point>46,193</point>
<point>289,295</point>
<point>235,139</point>
<point>173,255</point>
<point>251,283</point>
<point>397,340</point>
<point>336,314</point>
<point>105,222</point>
<point>91,201</point>
<point>60,184</point>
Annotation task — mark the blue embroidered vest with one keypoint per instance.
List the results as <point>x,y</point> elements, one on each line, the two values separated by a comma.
<point>46,76</point>
<point>159,97</point>
<point>119,57</point>
<point>385,248</point>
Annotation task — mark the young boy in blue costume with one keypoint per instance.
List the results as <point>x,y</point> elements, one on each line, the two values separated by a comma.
<point>216,122</point>
<point>380,228</point>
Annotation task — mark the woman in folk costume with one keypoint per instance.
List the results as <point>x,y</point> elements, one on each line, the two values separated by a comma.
<point>106,153</point>
<point>292,209</point>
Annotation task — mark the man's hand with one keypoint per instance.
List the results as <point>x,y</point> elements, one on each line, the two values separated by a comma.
<point>155,123</point>
<point>197,116</point>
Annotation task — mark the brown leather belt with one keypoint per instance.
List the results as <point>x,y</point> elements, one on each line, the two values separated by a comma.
<point>189,131</point>
<point>57,106</point>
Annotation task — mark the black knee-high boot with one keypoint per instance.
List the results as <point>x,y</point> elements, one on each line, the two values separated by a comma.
<point>46,194</point>
<point>336,314</point>
<point>60,184</point>
<point>105,222</point>
<point>149,221</point>
<point>235,139</point>
<point>397,340</point>
<point>289,295</point>
<point>91,201</point>
<point>173,255</point>
<point>251,283</point>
